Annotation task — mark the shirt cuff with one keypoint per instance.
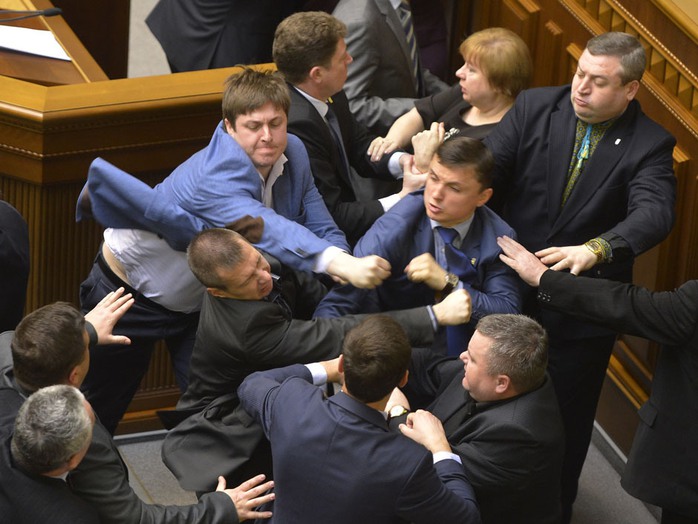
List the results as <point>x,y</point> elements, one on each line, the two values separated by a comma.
<point>446,455</point>
<point>394,164</point>
<point>389,201</point>
<point>432,316</point>
<point>323,260</point>
<point>318,372</point>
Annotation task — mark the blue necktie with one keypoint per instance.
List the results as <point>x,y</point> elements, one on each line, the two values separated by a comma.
<point>459,264</point>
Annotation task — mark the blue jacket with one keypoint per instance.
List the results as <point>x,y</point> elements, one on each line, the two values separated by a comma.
<point>215,187</point>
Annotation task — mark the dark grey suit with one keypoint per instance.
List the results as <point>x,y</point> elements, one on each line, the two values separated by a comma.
<point>380,85</point>
<point>236,338</point>
<point>102,477</point>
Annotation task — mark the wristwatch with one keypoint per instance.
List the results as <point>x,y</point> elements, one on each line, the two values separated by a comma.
<point>451,283</point>
<point>397,411</point>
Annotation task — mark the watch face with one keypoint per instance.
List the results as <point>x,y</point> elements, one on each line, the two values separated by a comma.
<point>396,411</point>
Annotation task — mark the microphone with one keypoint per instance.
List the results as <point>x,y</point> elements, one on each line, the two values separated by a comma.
<point>52,11</point>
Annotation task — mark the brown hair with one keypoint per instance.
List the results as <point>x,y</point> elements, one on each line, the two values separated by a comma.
<point>251,89</point>
<point>502,56</point>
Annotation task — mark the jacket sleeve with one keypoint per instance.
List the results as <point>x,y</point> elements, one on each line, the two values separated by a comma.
<point>667,317</point>
<point>438,493</point>
<point>102,480</point>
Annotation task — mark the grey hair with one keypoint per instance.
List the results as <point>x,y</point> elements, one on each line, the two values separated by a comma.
<point>626,48</point>
<point>52,425</point>
<point>519,349</point>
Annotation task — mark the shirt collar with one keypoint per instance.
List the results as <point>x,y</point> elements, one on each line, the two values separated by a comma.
<point>461,228</point>
<point>395,3</point>
<point>320,105</point>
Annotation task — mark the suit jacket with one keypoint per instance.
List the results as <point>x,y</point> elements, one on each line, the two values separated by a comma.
<point>101,479</point>
<point>214,187</point>
<point>405,232</point>
<point>28,499</point>
<point>331,178</point>
<point>627,187</point>
<point>206,34</point>
<point>662,462</point>
<point>14,266</point>
<point>336,461</point>
<point>511,450</point>
<point>380,84</point>
<point>234,339</point>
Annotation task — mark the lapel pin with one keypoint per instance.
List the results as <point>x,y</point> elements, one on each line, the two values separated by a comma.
<point>617,141</point>
<point>473,261</point>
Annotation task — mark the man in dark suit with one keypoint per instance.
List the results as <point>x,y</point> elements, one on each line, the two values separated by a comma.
<point>52,432</point>
<point>50,346</point>
<point>335,459</point>
<point>662,462</point>
<point>205,34</point>
<point>14,265</point>
<point>254,319</point>
<point>386,75</point>
<point>414,237</point>
<point>309,50</point>
<point>588,184</point>
<point>499,415</point>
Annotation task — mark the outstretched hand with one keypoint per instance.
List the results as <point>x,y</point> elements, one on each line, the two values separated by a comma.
<point>525,263</point>
<point>248,496</point>
<point>107,313</point>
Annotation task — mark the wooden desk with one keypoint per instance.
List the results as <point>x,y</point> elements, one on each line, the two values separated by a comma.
<point>42,70</point>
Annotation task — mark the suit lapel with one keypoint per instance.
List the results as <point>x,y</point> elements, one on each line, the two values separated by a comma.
<point>450,400</point>
<point>471,242</point>
<point>562,129</point>
<point>606,156</point>
<point>393,22</point>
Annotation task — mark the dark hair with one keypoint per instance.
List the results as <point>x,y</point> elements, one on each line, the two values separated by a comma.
<point>48,343</point>
<point>625,47</point>
<point>251,89</point>
<point>51,426</point>
<point>305,40</point>
<point>519,349</point>
<point>461,151</point>
<point>212,249</point>
<point>376,355</point>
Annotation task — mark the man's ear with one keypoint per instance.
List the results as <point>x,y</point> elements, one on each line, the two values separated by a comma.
<point>340,365</point>
<point>75,377</point>
<point>632,88</point>
<point>215,292</point>
<point>485,196</point>
<point>315,74</point>
<point>403,381</point>
<point>503,384</point>
<point>228,126</point>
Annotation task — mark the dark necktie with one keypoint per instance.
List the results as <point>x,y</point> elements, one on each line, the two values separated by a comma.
<point>404,13</point>
<point>337,137</point>
<point>459,264</point>
<point>277,298</point>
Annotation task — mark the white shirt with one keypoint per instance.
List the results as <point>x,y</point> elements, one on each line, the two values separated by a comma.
<point>156,270</point>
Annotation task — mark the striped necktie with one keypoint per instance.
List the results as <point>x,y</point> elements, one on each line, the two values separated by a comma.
<point>405,15</point>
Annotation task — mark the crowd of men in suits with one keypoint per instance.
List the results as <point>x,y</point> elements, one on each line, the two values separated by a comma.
<point>231,257</point>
